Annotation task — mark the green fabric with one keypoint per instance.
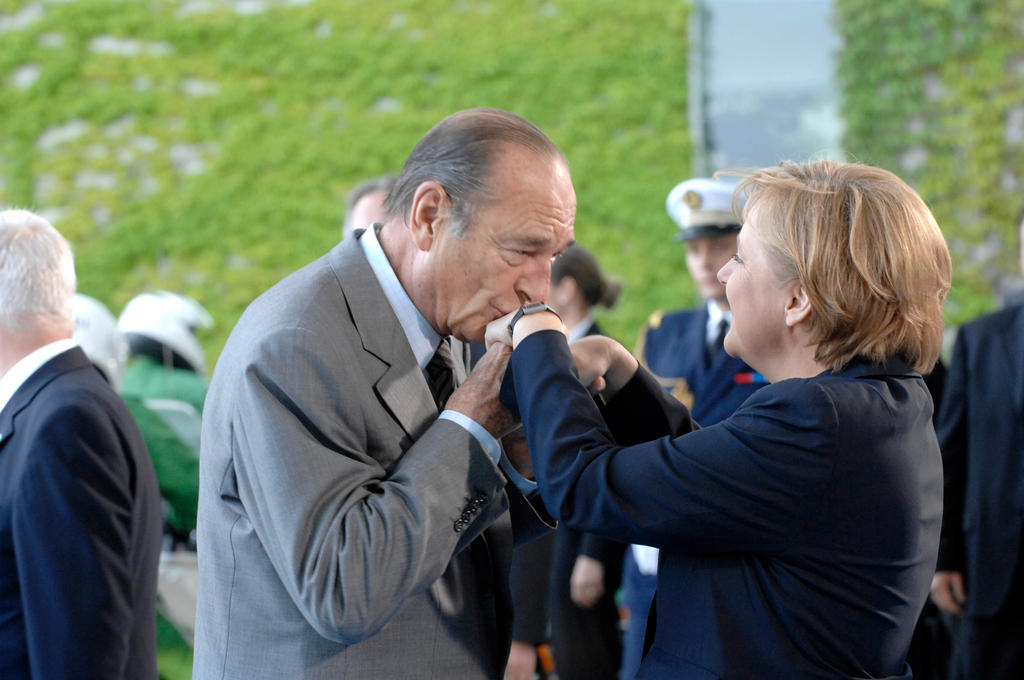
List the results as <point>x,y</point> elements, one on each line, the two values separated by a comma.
<point>147,379</point>
<point>173,448</point>
<point>176,464</point>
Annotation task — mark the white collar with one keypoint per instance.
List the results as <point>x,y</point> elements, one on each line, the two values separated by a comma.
<point>422,337</point>
<point>715,315</point>
<point>580,329</point>
<point>29,364</point>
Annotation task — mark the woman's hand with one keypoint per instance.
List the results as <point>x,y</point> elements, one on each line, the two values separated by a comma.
<point>497,330</point>
<point>603,364</point>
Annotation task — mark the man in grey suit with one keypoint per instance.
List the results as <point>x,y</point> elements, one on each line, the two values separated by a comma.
<point>352,525</point>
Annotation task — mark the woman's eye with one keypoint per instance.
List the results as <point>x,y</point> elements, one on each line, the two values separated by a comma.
<point>736,258</point>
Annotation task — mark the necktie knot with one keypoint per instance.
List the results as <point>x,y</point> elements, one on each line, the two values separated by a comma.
<point>440,373</point>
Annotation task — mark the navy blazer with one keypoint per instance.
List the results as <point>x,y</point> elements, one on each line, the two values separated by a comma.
<point>672,347</point>
<point>798,536</point>
<point>80,535</point>
<point>981,431</point>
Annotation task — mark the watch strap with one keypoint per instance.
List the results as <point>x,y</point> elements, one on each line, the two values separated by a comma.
<point>532,308</point>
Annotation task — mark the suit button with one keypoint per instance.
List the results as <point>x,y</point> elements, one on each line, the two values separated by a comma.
<point>460,525</point>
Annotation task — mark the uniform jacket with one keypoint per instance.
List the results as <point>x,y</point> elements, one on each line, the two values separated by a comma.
<point>79,530</point>
<point>981,431</point>
<point>798,536</point>
<point>344,530</point>
<point>672,347</point>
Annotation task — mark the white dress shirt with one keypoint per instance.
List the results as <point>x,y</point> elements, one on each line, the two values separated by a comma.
<point>16,376</point>
<point>423,339</point>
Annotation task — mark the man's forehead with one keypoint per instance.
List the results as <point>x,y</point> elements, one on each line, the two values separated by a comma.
<point>539,239</point>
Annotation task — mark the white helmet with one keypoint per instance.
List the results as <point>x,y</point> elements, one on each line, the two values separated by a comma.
<point>169,319</point>
<point>97,334</point>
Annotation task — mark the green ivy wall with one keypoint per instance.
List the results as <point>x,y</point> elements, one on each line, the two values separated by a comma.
<point>206,147</point>
<point>934,91</point>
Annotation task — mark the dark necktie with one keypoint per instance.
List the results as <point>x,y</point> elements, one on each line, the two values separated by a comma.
<point>440,373</point>
<point>717,344</point>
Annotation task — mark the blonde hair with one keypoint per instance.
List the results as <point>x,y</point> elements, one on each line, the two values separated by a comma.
<point>868,252</point>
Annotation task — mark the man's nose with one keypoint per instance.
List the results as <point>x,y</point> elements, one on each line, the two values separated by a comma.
<point>535,282</point>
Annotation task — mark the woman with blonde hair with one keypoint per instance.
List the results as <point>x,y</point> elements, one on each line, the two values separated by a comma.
<point>798,537</point>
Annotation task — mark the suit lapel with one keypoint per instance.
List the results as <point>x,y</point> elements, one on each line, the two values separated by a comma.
<point>400,383</point>
<point>64,362</point>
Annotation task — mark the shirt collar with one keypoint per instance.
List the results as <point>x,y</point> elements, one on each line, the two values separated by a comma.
<point>423,339</point>
<point>29,364</point>
<point>580,329</point>
<point>716,314</point>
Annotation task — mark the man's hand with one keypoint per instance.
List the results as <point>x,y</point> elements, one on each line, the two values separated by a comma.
<point>522,661</point>
<point>478,396</point>
<point>948,591</point>
<point>586,585</point>
<point>517,452</point>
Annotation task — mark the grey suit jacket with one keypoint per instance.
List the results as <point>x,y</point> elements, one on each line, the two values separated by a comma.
<point>344,531</point>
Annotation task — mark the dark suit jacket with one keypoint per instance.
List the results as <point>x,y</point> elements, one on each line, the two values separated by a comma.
<point>981,431</point>
<point>798,536</point>
<point>79,530</point>
<point>672,347</point>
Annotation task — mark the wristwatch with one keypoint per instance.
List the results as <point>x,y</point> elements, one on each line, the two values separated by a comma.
<point>531,308</point>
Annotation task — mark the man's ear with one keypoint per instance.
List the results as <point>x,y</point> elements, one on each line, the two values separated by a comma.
<point>429,205</point>
<point>798,309</point>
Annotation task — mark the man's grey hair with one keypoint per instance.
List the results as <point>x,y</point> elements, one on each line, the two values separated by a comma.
<point>37,274</point>
<point>459,153</point>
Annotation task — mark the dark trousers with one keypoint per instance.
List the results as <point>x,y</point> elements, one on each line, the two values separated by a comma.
<point>586,643</point>
<point>993,646</point>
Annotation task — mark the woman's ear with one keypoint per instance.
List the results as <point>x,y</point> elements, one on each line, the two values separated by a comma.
<point>428,206</point>
<point>798,309</point>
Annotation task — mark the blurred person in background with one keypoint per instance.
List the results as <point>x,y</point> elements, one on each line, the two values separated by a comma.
<point>79,502</point>
<point>165,386</point>
<point>576,576</point>
<point>96,332</point>
<point>798,536</point>
<point>684,349</point>
<point>980,574</point>
<point>366,203</point>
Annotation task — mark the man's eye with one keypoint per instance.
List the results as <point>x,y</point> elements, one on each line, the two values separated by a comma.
<point>736,258</point>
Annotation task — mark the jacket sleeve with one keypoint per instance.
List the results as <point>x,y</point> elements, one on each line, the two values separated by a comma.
<point>749,482</point>
<point>72,532</point>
